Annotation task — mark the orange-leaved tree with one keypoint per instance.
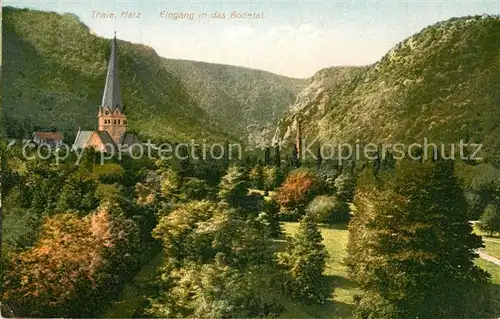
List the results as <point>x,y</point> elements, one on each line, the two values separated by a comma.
<point>298,189</point>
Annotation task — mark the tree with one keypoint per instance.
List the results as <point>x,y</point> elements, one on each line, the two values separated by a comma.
<point>77,194</point>
<point>75,262</point>
<point>267,156</point>
<point>490,220</point>
<point>270,177</point>
<point>319,158</point>
<point>109,173</point>
<point>297,191</point>
<point>304,260</point>
<point>170,183</point>
<point>234,186</point>
<point>345,185</point>
<point>218,264</point>
<point>48,277</point>
<point>411,246</point>
<point>217,290</point>
<point>271,209</point>
<point>256,176</point>
<point>277,157</point>
<point>294,160</point>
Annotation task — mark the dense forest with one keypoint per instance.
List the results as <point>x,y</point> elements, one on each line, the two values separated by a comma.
<point>74,235</point>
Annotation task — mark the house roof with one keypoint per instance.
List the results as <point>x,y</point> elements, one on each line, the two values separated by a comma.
<point>82,137</point>
<point>56,136</point>
<point>112,97</point>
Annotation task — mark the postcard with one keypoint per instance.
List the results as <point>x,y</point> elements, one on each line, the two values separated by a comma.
<point>250,159</point>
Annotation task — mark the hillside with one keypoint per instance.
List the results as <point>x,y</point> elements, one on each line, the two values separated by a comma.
<point>442,83</point>
<point>244,101</point>
<point>56,70</point>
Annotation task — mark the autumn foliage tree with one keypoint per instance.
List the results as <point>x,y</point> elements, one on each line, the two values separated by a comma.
<point>75,260</point>
<point>298,189</point>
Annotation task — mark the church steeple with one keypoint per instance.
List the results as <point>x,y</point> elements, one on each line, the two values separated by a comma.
<point>112,97</point>
<point>111,116</point>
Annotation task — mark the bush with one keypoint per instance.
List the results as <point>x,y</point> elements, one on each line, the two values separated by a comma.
<point>328,209</point>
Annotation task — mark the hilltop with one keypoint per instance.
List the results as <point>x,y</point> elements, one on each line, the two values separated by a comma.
<point>442,83</point>
<point>56,71</point>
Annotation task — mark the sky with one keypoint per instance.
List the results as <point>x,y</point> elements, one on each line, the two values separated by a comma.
<point>292,38</point>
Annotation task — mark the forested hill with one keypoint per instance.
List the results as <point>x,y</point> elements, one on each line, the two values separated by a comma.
<point>247,102</point>
<point>442,83</point>
<point>55,69</point>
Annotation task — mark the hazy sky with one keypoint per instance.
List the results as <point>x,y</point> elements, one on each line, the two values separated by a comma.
<point>294,38</point>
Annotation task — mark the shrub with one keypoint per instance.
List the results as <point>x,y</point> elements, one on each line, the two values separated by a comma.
<point>328,209</point>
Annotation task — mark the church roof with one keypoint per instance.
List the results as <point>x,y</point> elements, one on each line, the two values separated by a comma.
<point>129,139</point>
<point>112,97</point>
<point>106,139</point>
<point>82,137</point>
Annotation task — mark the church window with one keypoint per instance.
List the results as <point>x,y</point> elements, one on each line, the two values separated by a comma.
<point>114,121</point>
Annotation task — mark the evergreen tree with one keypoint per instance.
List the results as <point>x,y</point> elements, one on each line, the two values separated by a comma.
<point>234,186</point>
<point>294,160</point>
<point>257,176</point>
<point>345,185</point>
<point>319,159</point>
<point>490,220</point>
<point>304,259</point>
<point>267,156</point>
<point>277,157</point>
<point>411,246</point>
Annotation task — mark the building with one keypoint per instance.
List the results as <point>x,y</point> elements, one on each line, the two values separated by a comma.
<point>111,134</point>
<point>53,139</point>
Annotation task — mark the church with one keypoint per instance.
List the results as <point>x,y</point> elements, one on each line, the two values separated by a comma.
<point>111,134</point>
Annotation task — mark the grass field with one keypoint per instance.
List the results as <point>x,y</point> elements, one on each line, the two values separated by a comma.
<point>341,304</point>
<point>492,248</point>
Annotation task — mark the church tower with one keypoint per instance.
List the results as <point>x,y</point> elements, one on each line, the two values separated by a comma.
<point>111,115</point>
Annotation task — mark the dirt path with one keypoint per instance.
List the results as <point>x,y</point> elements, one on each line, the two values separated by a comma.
<point>489,258</point>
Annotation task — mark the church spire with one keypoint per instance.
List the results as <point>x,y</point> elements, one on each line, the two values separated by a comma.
<point>112,97</point>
